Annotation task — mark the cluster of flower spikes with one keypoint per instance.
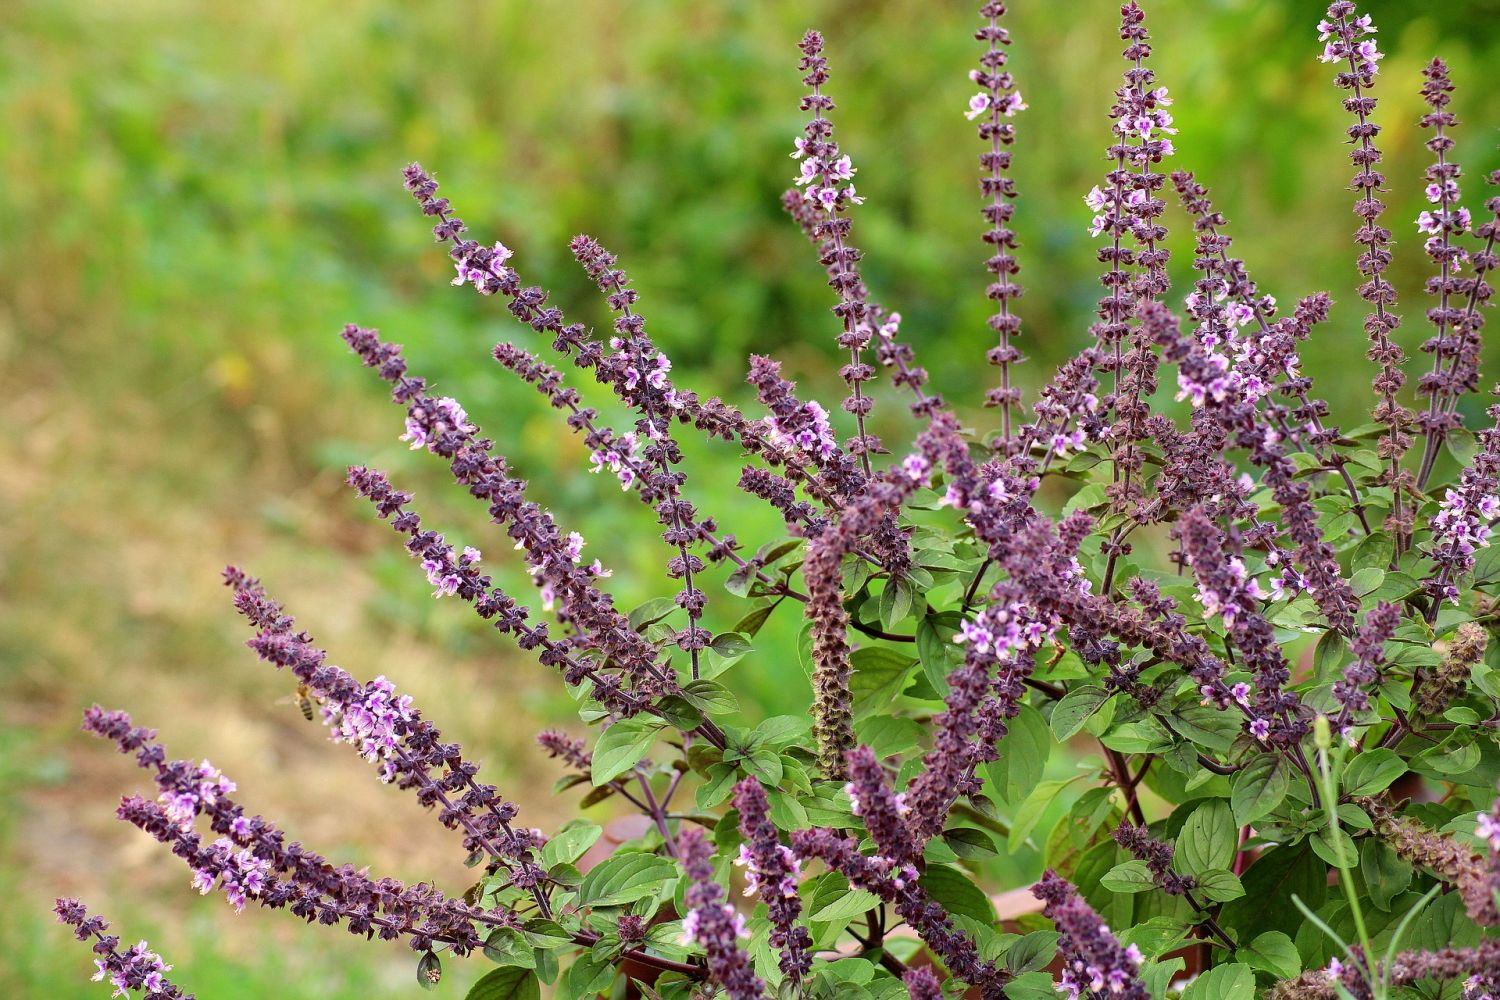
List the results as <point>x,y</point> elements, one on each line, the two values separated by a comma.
<point>1230,373</point>
<point>389,731</point>
<point>892,875</point>
<point>1223,302</point>
<point>599,629</point>
<point>638,372</point>
<point>252,860</point>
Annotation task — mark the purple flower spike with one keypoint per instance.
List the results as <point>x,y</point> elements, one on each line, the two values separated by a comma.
<point>771,872</point>
<point>137,969</point>
<point>714,924</point>
<point>1094,961</point>
<point>921,984</point>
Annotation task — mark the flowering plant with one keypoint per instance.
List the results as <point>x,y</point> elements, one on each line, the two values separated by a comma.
<point>996,656</point>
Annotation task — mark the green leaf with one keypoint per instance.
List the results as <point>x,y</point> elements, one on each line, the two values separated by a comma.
<point>879,675</point>
<point>652,612</point>
<point>896,602</point>
<point>1155,936</point>
<point>1029,813</point>
<point>1031,952</point>
<point>782,730</point>
<point>429,971</point>
<point>508,948</point>
<point>935,648</point>
<point>1329,653</point>
<point>1366,581</point>
<point>1208,727</point>
<point>957,892</point>
<point>720,782</point>
<point>888,735</point>
<point>586,977</point>
<point>1227,982</point>
<point>1129,876</point>
<point>1335,847</point>
<point>1022,754</point>
<point>1272,952</point>
<point>1372,771</point>
<point>1029,986</point>
<point>1208,839</point>
<point>543,933</point>
<point>1278,874</point>
<point>1160,975</point>
<point>621,747</point>
<point>710,697</point>
<point>968,843</point>
<point>624,878</point>
<point>1443,924</point>
<point>831,900</point>
<point>506,984</point>
<point>754,619</point>
<point>576,837</point>
<point>1220,885</point>
<point>1074,709</point>
<point>1258,788</point>
<point>730,645</point>
<point>1385,873</point>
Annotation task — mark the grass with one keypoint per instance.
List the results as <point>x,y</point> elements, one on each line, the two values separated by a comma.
<point>197,198</point>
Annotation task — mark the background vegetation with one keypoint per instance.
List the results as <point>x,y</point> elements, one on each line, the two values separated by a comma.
<point>197,196</point>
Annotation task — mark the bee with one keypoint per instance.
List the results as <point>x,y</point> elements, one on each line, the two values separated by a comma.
<point>306,702</point>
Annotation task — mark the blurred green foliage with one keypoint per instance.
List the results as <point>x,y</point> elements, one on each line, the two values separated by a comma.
<point>197,197</point>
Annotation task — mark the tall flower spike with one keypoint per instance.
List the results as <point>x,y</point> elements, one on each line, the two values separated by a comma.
<point>1476,877</point>
<point>1443,222</point>
<point>983,695</point>
<point>642,380</point>
<point>136,969</point>
<point>714,924</point>
<point>997,101</point>
<point>1476,969</point>
<point>871,513</point>
<point>826,177</point>
<point>1224,301</point>
<point>1130,205</point>
<point>771,873</point>
<point>1094,961</point>
<point>1347,44</point>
